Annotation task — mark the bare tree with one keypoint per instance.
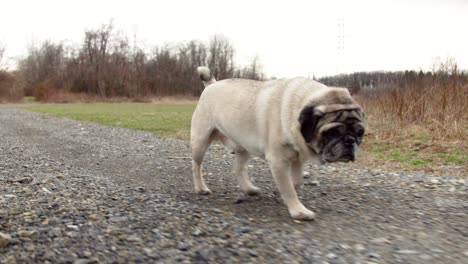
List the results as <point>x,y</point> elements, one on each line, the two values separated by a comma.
<point>106,64</point>
<point>96,48</point>
<point>252,71</point>
<point>255,69</point>
<point>44,64</point>
<point>9,90</point>
<point>2,52</point>
<point>221,57</point>
<point>198,53</point>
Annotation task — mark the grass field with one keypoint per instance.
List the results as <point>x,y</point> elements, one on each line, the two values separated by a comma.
<point>408,151</point>
<point>161,119</point>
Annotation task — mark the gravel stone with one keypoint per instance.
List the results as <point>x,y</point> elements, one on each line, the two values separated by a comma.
<point>4,239</point>
<point>76,192</point>
<point>197,232</point>
<point>73,227</point>
<point>201,256</point>
<point>313,183</point>
<point>407,252</point>
<point>118,219</point>
<point>26,233</point>
<point>252,252</point>
<point>381,240</point>
<point>359,248</point>
<point>183,246</point>
<point>85,261</point>
<point>21,180</point>
<point>425,257</point>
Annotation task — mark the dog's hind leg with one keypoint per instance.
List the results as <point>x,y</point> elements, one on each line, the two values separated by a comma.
<point>240,169</point>
<point>199,141</point>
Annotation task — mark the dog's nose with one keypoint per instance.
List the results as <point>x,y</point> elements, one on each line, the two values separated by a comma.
<point>349,140</point>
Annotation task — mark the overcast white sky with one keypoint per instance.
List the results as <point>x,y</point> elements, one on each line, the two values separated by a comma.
<point>292,38</point>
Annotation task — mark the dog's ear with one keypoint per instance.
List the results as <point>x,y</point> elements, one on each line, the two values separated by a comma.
<point>363,116</point>
<point>309,118</point>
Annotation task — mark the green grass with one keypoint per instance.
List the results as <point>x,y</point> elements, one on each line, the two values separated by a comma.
<point>416,162</point>
<point>457,157</point>
<point>162,119</point>
<point>409,157</point>
<point>397,153</point>
<point>380,148</point>
<point>415,158</point>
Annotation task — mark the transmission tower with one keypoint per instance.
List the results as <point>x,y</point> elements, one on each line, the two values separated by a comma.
<point>340,46</point>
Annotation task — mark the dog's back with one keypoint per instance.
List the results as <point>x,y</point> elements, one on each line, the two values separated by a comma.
<point>241,110</point>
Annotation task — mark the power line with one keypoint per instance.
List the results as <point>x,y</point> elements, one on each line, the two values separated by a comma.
<point>340,45</point>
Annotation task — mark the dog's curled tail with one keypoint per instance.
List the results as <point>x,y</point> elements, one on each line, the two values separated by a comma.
<point>205,75</point>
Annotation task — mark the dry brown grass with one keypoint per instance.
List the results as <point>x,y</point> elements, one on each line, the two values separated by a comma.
<point>174,99</point>
<point>422,126</point>
<point>44,92</point>
<point>9,91</point>
<point>441,109</point>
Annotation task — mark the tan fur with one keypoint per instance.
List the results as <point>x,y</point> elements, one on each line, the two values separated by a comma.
<point>262,119</point>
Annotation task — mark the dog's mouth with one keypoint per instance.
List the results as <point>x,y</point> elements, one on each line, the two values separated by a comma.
<point>346,157</point>
<point>338,151</point>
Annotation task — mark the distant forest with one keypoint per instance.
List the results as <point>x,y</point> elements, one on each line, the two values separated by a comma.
<point>108,64</point>
<point>379,81</point>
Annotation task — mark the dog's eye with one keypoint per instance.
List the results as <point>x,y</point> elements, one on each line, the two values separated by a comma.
<point>334,132</point>
<point>360,132</point>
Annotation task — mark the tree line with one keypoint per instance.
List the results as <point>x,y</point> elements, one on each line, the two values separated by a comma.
<point>108,64</point>
<point>446,72</point>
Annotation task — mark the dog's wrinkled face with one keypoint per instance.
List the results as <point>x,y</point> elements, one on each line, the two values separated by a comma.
<point>334,135</point>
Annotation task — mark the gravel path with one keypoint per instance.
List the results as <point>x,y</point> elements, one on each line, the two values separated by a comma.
<point>77,192</point>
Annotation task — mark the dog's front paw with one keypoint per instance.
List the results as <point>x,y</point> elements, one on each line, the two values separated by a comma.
<point>302,214</point>
<point>252,191</point>
<point>203,191</point>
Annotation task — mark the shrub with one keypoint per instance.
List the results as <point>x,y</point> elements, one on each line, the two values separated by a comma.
<point>10,91</point>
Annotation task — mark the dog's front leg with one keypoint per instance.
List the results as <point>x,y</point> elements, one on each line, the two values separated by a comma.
<point>297,174</point>
<point>281,174</point>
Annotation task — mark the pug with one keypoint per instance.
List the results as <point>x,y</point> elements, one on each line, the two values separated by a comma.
<point>287,122</point>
